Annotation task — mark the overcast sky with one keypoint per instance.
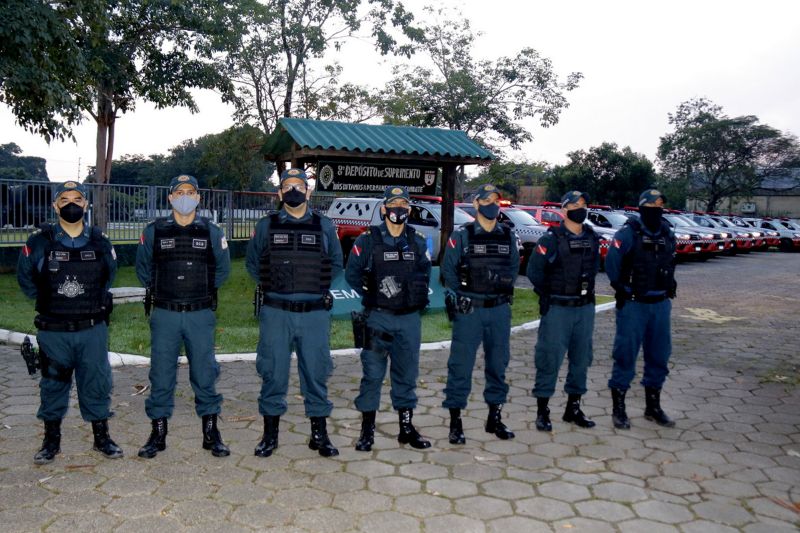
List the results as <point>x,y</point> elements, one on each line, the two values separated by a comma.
<point>640,59</point>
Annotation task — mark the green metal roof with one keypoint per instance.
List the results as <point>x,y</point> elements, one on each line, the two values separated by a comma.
<point>367,138</point>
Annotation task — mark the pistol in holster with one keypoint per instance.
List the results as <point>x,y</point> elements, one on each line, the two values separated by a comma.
<point>359,320</point>
<point>30,355</point>
<point>258,300</point>
<point>148,300</point>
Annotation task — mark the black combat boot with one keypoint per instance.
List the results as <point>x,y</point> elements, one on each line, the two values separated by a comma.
<point>269,440</point>
<point>157,441</point>
<point>408,433</point>
<point>543,415</point>
<point>367,438</point>
<point>103,442</point>
<point>494,423</point>
<point>51,444</point>
<point>456,429</point>
<point>618,415</point>
<point>574,414</point>
<point>319,438</point>
<point>212,440</point>
<point>653,411</point>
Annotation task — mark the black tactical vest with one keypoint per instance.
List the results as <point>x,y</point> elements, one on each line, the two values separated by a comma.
<point>649,265</point>
<point>394,282</point>
<point>72,283</point>
<point>573,271</point>
<point>183,262</point>
<point>295,259</point>
<point>486,266</point>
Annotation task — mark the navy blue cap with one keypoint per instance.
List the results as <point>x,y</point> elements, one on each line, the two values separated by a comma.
<point>486,190</point>
<point>297,173</point>
<point>394,191</point>
<point>177,181</point>
<point>650,196</point>
<point>70,186</point>
<point>572,197</point>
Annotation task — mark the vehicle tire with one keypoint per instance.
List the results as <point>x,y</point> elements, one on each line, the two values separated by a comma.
<point>786,245</point>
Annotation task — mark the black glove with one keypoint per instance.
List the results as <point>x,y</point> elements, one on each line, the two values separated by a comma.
<point>544,304</point>
<point>450,306</point>
<point>619,296</point>
<point>673,292</point>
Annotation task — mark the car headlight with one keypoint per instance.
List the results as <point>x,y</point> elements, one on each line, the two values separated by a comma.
<point>707,235</point>
<point>797,235</point>
<point>725,235</point>
<point>756,234</point>
<point>682,236</point>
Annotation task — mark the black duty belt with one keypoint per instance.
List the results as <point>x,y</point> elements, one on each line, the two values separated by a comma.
<point>382,335</point>
<point>488,303</point>
<point>647,299</point>
<point>397,312</point>
<point>182,306</point>
<point>573,302</point>
<point>294,307</point>
<point>50,324</point>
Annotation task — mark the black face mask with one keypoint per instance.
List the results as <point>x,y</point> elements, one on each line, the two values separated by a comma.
<point>396,215</point>
<point>294,198</point>
<point>577,215</point>
<point>71,212</point>
<point>490,211</point>
<point>651,217</point>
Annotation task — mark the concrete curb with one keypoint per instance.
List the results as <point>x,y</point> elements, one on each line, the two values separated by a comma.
<point>126,359</point>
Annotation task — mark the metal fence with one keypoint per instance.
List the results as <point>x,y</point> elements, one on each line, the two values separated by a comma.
<point>24,205</point>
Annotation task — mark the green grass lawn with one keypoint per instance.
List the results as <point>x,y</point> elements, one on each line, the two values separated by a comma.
<point>237,329</point>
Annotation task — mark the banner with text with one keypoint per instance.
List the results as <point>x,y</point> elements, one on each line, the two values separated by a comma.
<point>338,176</point>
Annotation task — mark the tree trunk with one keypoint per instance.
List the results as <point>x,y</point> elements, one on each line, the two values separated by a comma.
<point>104,146</point>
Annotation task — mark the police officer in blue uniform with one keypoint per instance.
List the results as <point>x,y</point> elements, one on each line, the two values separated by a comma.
<point>68,268</point>
<point>641,268</point>
<point>562,269</point>
<point>294,255</point>
<point>480,266</point>
<point>182,259</point>
<point>389,266</point>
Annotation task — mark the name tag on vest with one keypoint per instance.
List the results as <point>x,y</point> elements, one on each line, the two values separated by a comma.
<point>200,244</point>
<point>503,249</point>
<point>479,249</point>
<point>61,256</point>
<point>408,256</point>
<point>88,255</point>
<point>280,238</point>
<point>391,256</point>
<point>167,244</point>
<point>308,239</point>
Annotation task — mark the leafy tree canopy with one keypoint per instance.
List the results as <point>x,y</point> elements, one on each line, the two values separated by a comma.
<point>275,66</point>
<point>485,98</point>
<point>509,176</point>
<point>610,175</point>
<point>717,156</point>
<point>16,166</point>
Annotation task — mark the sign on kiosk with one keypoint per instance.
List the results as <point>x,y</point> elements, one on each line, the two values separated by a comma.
<point>339,176</point>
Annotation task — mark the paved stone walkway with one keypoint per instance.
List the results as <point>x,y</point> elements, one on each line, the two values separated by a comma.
<point>731,464</point>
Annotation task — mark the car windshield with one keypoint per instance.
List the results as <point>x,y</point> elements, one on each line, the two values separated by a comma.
<point>789,225</point>
<point>616,219</point>
<point>677,220</point>
<point>724,222</point>
<point>518,216</point>
<point>460,217</point>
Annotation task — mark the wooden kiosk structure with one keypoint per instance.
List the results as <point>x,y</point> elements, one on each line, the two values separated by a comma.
<point>364,158</point>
